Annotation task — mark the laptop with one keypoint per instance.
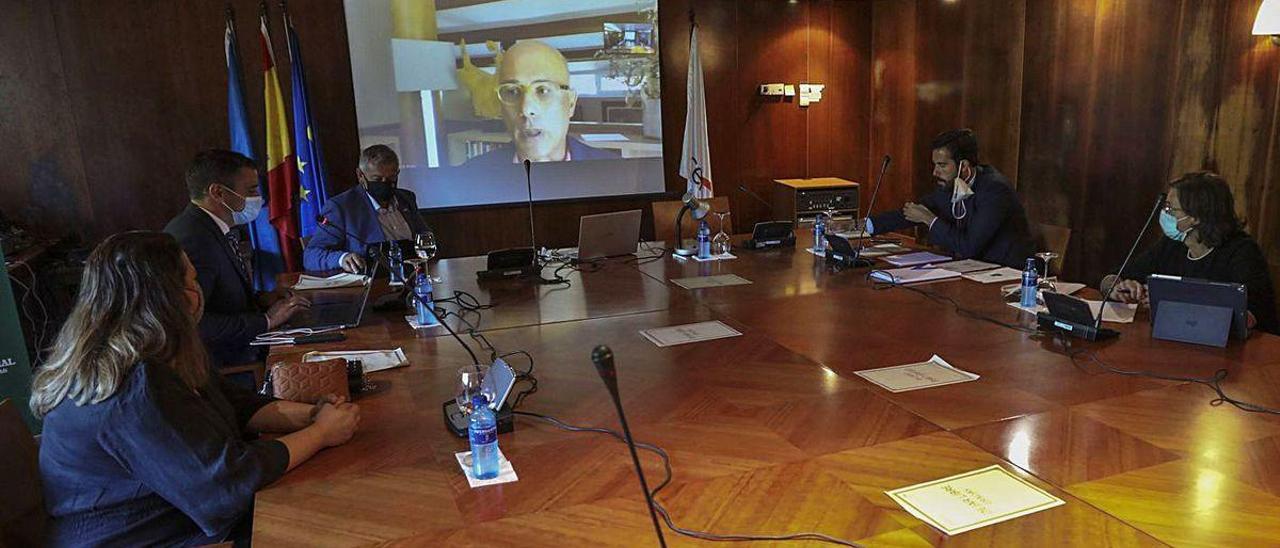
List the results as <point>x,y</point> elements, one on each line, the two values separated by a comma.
<point>341,308</point>
<point>1197,311</point>
<point>608,235</point>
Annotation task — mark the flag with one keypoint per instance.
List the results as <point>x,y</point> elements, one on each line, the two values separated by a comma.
<point>267,262</point>
<point>313,192</point>
<point>282,168</point>
<point>695,161</point>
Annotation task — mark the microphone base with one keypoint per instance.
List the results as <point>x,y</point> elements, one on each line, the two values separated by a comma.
<point>509,263</point>
<point>1049,322</point>
<point>456,421</point>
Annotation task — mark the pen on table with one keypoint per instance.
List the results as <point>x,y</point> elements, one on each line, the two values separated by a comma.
<point>925,266</point>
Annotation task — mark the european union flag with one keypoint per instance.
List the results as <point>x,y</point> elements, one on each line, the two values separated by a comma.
<point>313,191</point>
<point>267,261</point>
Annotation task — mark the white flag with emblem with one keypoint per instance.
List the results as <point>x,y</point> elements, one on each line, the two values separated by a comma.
<point>695,165</point>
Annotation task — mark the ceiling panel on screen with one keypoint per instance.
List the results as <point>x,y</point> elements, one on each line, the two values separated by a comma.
<point>499,14</point>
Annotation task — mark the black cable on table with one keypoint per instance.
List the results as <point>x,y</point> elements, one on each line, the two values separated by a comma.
<point>662,511</point>
<point>1213,382</point>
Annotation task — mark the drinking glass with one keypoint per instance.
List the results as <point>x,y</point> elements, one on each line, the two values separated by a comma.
<point>424,244</point>
<point>720,243</point>
<point>470,384</point>
<point>1047,257</point>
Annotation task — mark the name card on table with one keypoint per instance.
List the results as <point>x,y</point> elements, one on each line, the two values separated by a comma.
<point>971,500</point>
<point>915,376</point>
<point>704,282</point>
<point>689,333</point>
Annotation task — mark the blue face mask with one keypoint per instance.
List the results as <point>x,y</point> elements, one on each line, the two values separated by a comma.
<point>1169,224</point>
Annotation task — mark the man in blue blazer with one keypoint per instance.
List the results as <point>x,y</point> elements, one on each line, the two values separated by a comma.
<point>375,211</point>
<point>974,212</point>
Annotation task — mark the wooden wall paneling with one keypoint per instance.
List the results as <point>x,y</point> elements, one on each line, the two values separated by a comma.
<point>991,100</point>
<point>1057,97</point>
<point>773,133</point>
<point>43,185</point>
<point>838,129</point>
<point>939,71</point>
<point>1126,165</point>
<point>893,100</point>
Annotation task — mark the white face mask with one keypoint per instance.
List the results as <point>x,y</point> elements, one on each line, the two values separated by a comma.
<point>961,189</point>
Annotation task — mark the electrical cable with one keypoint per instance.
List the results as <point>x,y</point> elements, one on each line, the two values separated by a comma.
<point>1213,382</point>
<point>662,511</point>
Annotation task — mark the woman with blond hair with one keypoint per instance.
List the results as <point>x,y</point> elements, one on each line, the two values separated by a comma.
<point>143,444</point>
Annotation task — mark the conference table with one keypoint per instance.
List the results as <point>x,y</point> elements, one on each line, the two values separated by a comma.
<point>772,433</point>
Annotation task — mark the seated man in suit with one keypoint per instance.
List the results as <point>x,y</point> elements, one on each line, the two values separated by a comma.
<point>375,211</point>
<point>974,212</point>
<point>223,187</point>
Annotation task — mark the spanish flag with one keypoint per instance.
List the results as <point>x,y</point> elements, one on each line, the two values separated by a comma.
<point>282,166</point>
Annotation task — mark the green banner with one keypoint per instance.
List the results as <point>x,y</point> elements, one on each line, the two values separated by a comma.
<point>15,368</point>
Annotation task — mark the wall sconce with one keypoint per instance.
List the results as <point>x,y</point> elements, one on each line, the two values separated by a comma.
<point>1267,22</point>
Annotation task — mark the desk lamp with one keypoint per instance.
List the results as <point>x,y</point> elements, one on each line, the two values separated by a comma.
<point>699,208</point>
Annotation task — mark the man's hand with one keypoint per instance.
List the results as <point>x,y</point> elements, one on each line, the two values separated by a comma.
<point>917,213</point>
<point>286,308</point>
<point>352,263</point>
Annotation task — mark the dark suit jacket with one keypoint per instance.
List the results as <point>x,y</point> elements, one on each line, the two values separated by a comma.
<point>994,228</point>
<point>353,212</point>
<point>578,150</point>
<point>231,315</point>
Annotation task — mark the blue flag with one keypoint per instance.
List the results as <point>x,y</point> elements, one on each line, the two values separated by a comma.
<point>313,190</point>
<point>267,261</point>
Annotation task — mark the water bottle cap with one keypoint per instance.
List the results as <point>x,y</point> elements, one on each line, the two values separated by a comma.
<point>479,400</point>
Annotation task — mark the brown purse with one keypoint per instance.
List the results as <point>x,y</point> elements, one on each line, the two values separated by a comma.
<point>307,382</point>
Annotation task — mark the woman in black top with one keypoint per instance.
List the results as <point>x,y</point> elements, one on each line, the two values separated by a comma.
<point>143,444</point>
<point>1203,239</point>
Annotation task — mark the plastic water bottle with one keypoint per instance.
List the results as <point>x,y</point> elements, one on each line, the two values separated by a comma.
<point>819,233</point>
<point>704,240</point>
<point>483,432</point>
<point>396,261</point>
<point>422,289</point>
<point>1030,282</point>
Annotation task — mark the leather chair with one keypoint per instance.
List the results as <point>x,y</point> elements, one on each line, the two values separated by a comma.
<point>1053,238</point>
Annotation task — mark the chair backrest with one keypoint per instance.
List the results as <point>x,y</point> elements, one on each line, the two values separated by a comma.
<point>22,513</point>
<point>664,219</point>
<point>1053,238</point>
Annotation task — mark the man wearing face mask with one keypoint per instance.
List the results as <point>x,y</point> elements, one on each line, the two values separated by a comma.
<point>974,212</point>
<point>223,188</point>
<point>1203,239</point>
<point>372,212</point>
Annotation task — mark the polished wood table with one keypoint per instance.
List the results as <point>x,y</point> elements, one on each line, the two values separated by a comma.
<point>772,433</point>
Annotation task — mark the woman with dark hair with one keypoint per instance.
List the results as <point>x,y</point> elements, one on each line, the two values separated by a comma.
<point>143,444</point>
<point>1203,239</point>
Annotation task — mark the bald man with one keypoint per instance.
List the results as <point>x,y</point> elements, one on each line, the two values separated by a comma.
<point>537,102</point>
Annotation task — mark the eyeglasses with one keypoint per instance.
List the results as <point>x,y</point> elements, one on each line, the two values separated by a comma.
<point>543,92</point>
<point>1168,208</point>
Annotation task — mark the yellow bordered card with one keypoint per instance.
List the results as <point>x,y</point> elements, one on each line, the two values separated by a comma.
<point>971,500</point>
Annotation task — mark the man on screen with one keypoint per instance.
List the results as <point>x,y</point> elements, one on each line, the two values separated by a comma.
<point>537,102</point>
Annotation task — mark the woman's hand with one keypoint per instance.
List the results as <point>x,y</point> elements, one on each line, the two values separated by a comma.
<point>1129,291</point>
<point>336,423</point>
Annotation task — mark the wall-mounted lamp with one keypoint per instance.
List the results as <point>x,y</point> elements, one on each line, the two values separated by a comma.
<point>1267,22</point>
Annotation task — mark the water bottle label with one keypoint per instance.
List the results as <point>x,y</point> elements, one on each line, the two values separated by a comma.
<point>484,436</point>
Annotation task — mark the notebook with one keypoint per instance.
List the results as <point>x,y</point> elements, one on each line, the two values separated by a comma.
<point>917,258</point>
<point>912,275</point>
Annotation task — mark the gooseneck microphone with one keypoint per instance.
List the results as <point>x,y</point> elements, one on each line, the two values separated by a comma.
<point>602,357</point>
<point>1107,295</point>
<point>528,182</point>
<point>875,191</point>
<point>757,197</point>
<point>370,251</point>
